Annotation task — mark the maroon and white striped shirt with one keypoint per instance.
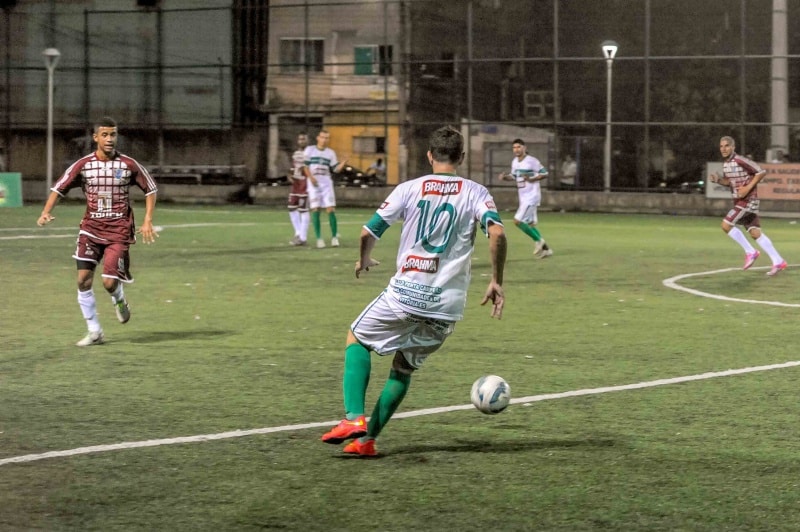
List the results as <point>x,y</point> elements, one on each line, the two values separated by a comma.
<point>740,170</point>
<point>106,185</point>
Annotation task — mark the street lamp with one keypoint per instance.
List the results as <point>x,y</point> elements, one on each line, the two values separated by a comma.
<point>51,56</point>
<point>609,51</point>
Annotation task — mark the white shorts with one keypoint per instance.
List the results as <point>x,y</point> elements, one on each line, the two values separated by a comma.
<point>321,196</point>
<point>385,330</point>
<point>527,213</point>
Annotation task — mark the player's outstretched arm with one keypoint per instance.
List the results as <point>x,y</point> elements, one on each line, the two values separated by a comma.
<point>45,218</point>
<point>365,262</point>
<point>147,230</point>
<point>498,247</point>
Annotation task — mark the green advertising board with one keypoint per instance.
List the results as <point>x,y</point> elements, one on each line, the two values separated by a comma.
<point>10,189</point>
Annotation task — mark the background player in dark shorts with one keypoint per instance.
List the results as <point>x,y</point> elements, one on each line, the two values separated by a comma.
<point>298,195</point>
<point>107,229</point>
<point>742,176</point>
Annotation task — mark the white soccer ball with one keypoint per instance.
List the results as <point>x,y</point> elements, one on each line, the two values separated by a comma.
<point>491,394</point>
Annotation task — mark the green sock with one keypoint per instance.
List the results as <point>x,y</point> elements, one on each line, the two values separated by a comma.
<point>530,231</point>
<point>334,225</point>
<point>357,365</point>
<point>392,395</point>
<point>316,224</point>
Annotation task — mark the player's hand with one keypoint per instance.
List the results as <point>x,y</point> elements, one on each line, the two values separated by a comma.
<point>148,233</point>
<point>494,293</point>
<point>714,178</point>
<point>45,219</point>
<point>369,264</point>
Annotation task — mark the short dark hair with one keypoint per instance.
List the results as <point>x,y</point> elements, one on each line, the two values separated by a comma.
<point>518,141</point>
<point>446,145</point>
<point>106,121</point>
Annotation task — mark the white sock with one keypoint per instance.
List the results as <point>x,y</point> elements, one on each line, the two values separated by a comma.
<point>766,245</point>
<point>88,306</point>
<point>305,220</point>
<point>740,239</point>
<point>294,216</point>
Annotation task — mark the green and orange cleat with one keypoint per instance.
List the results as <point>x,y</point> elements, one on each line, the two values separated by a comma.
<point>346,430</point>
<point>360,448</point>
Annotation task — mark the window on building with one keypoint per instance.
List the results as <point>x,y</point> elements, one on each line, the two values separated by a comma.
<point>373,60</point>
<point>297,55</point>
<point>369,144</point>
<point>442,66</point>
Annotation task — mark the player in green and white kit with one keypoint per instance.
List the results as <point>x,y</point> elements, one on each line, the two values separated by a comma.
<point>441,213</point>
<point>320,163</point>
<point>527,171</point>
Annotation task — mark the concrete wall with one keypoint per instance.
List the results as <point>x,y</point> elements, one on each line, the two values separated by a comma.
<point>505,197</point>
<point>35,192</point>
<point>555,200</point>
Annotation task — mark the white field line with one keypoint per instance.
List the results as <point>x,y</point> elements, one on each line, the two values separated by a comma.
<point>672,282</point>
<point>425,412</point>
<point>73,233</point>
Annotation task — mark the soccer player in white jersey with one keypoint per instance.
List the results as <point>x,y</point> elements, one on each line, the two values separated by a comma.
<point>298,194</point>
<point>527,172</point>
<point>107,229</point>
<point>441,213</point>
<point>742,176</point>
<point>320,163</point>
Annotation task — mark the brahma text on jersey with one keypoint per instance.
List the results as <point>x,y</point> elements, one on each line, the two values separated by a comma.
<point>421,264</point>
<point>441,188</point>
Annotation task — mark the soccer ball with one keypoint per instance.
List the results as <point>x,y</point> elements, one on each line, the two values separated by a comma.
<point>491,394</point>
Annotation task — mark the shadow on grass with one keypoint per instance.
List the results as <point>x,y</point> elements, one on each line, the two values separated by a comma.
<point>165,336</point>
<point>483,446</point>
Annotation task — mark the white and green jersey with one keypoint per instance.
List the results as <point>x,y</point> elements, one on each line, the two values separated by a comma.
<point>441,215</point>
<point>321,163</point>
<point>529,193</point>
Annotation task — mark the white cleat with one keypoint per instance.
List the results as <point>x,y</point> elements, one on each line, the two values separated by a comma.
<point>92,338</point>
<point>335,242</point>
<point>123,311</point>
<point>320,243</point>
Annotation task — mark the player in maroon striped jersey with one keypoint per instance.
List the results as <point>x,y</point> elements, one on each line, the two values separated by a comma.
<point>298,194</point>
<point>107,229</point>
<point>742,176</point>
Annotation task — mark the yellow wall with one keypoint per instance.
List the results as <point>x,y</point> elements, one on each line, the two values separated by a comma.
<point>342,144</point>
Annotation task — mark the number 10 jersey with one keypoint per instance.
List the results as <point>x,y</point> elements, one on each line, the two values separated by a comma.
<point>441,214</point>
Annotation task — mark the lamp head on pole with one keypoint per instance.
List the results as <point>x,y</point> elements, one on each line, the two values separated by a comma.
<point>51,56</point>
<point>610,49</point>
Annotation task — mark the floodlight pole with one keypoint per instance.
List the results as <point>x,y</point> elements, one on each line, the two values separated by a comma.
<point>609,51</point>
<point>51,56</point>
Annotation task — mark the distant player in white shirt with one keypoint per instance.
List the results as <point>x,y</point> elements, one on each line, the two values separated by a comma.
<point>527,171</point>
<point>441,214</point>
<point>320,164</point>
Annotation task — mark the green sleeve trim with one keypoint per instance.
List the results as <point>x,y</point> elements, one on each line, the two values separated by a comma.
<point>377,226</point>
<point>490,216</point>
